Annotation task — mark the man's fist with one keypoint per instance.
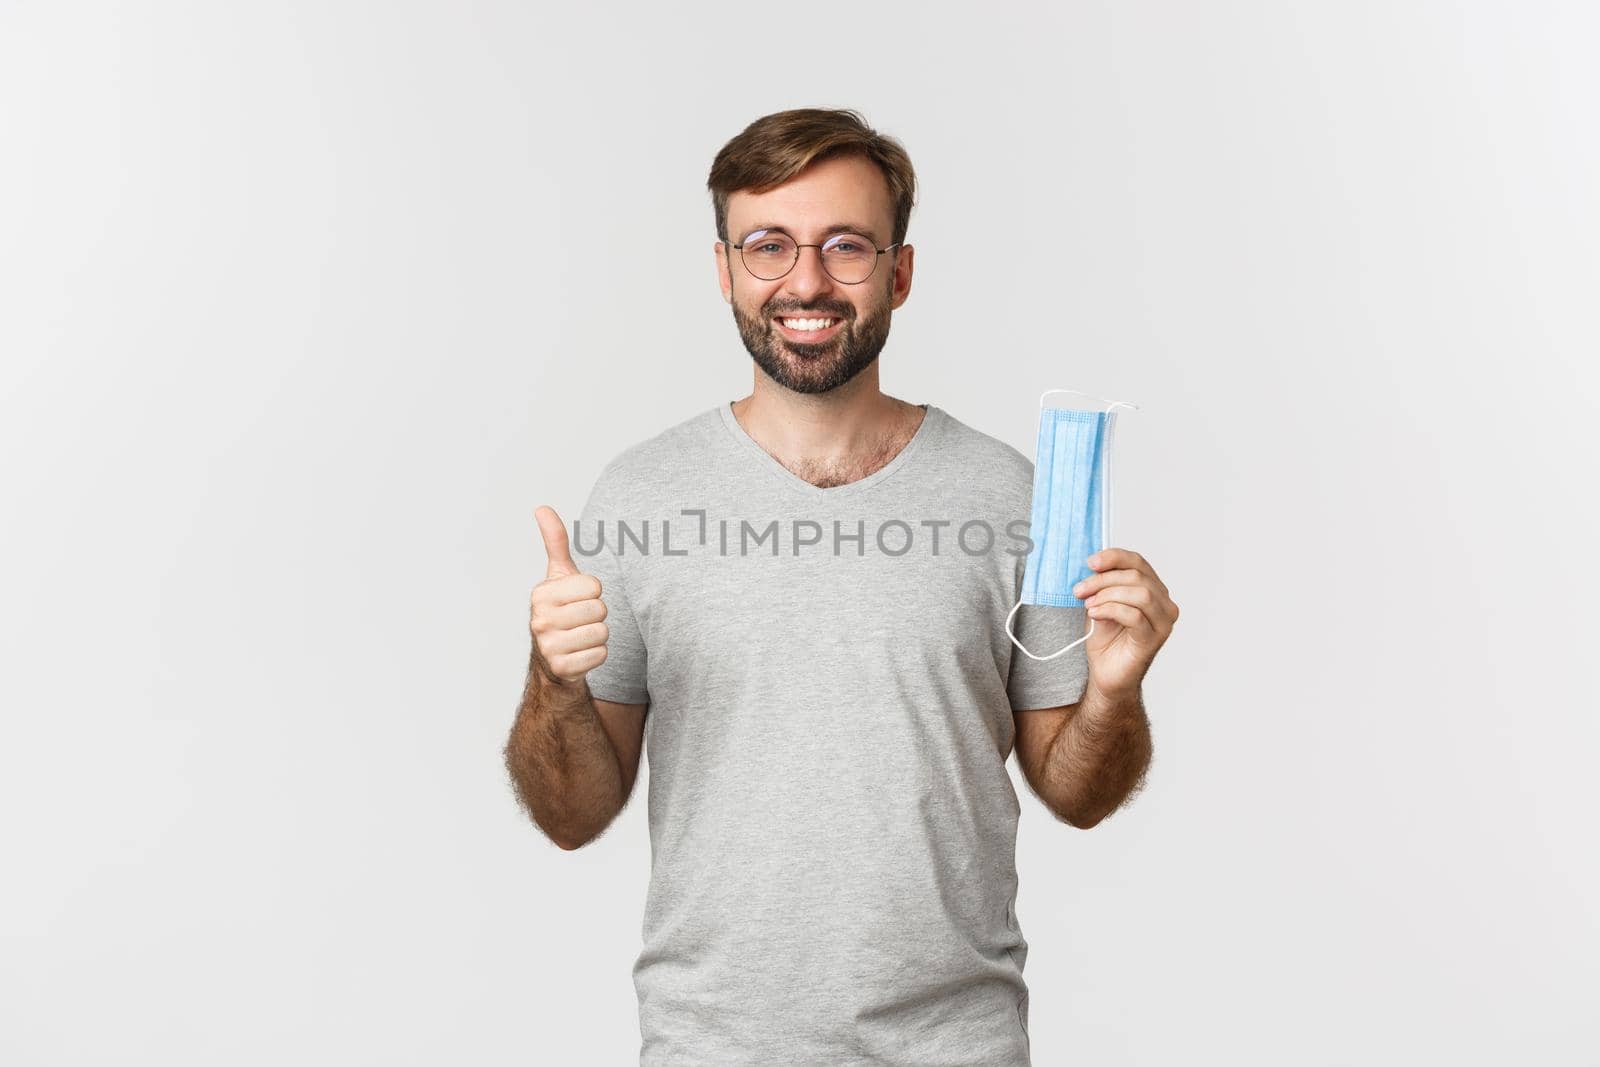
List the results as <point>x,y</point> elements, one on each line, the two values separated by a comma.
<point>565,610</point>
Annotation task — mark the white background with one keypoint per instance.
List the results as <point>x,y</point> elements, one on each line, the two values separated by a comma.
<point>306,306</point>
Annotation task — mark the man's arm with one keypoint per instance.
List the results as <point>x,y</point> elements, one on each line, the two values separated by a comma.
<point>572,758</point>
<point>1085,759</point>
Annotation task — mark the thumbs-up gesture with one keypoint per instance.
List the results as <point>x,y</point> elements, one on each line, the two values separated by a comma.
<point>565,610</point>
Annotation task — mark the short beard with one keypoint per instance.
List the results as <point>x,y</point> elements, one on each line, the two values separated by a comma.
<point>804,368</point>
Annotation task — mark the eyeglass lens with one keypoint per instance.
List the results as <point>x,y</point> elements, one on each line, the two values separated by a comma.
<point>847,257</point>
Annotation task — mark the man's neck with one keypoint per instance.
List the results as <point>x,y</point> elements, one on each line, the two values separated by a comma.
<point>829,439</point>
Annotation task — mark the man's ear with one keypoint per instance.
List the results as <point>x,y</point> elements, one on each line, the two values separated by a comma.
<point>724,277</point>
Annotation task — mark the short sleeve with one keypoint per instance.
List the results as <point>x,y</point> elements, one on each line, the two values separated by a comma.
<point>1049,683</point>
<point>622,678</point>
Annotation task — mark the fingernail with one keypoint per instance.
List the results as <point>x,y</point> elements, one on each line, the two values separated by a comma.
<point>1077,590</point>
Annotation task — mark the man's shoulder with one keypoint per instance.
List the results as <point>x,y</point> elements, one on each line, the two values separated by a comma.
<point>985,459</point>
<point>641,462</point>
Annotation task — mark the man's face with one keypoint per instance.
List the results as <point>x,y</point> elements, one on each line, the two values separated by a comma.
<point>846,191</point>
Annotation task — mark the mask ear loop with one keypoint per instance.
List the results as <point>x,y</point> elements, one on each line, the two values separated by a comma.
<point>1105,508</point>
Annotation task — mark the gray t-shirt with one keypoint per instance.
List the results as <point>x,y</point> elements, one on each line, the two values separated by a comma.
<point>830,689</point>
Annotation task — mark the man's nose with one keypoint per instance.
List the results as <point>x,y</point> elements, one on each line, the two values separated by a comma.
<point>807,279</point>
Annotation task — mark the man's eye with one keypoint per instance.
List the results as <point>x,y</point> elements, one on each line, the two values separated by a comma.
<point>844,246</point>
<point>769,248</point>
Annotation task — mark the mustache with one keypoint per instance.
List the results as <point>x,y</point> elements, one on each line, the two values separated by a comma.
<point>814,312</point>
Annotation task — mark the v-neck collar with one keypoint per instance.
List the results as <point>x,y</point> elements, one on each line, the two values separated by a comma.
<point>932,423</point>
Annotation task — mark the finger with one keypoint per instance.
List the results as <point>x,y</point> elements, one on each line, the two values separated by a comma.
<point>565,642</point>
<point>567,589</point>
<point>1112,558</point>
<point>1099,583</point>
<point>1133,616</point>
<point>547,618</point>
<point>571,666</point>
<point>1157,609</point>
<point>1128,616</point>
<point>1104,580</point>
<point>554,533</point>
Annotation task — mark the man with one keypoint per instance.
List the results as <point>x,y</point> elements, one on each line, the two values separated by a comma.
<point>795,597</point>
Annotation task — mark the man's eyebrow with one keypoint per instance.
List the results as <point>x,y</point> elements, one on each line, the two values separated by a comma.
<point>828,231</point>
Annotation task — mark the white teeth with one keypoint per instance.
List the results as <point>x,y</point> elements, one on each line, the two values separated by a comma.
<point>807,324</point>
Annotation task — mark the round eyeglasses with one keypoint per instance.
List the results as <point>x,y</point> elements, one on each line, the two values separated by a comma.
<point>849,258</point>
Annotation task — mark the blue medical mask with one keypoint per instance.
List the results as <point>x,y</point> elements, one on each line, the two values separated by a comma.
<point>1071,506</point>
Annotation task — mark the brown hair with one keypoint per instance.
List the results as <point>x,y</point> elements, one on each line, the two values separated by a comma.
<point>776,147</point>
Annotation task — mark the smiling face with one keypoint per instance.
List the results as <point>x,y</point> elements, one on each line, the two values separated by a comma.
<point>807,331</point>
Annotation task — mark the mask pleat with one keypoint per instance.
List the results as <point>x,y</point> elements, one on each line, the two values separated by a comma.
<point>1068,498</point>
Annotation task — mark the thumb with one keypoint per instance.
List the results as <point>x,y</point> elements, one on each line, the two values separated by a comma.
<point>554,533</point>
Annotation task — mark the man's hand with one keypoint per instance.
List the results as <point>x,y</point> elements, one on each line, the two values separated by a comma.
<point>1133,617</point>
<point>565,610</point>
